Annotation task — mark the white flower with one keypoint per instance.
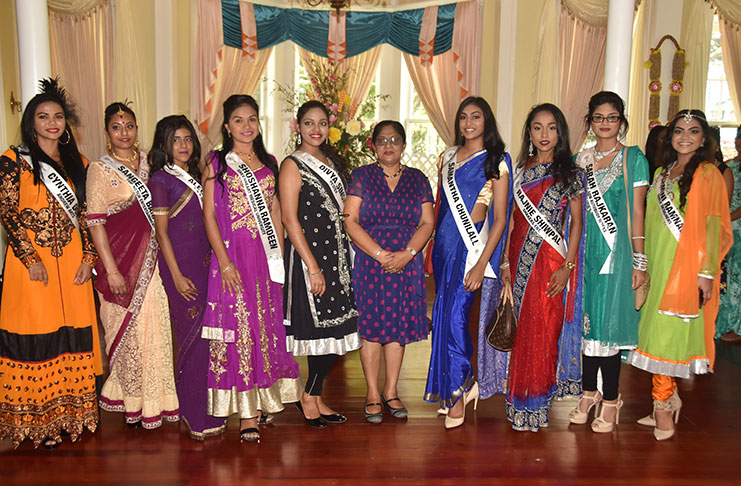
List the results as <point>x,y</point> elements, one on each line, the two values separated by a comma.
<point>353,127</point>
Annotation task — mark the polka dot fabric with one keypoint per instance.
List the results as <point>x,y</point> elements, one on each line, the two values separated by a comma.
<point>392,307</point>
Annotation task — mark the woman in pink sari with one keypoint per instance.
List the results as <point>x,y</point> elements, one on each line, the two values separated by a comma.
<point>133,302</point>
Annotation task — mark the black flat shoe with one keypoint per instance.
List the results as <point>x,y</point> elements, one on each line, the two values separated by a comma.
<point>265,419</point>
<point>134,425</point>
<point>374,418</point>
<point>335,418</point>
<point>396,412</point>
<point>317,423</point>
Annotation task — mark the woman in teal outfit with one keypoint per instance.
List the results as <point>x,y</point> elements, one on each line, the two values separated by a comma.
<point>617,180</point>
<point>728,324</point>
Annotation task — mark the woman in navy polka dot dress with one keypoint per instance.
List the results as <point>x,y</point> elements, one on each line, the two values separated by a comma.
<point>389,218</point>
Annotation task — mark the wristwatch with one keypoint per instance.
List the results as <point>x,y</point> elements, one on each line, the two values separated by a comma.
<point>411,250</point>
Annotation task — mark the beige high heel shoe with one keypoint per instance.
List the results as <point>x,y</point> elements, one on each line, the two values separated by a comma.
<point>599,424</point>
<point>672,404</point>
<point>576,416</point>
<point>649,420</point>
<point>472,394</point>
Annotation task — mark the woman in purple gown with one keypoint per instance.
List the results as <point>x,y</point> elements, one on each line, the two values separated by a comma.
<point>250,369</point>
<point>390,219</point>
<point>183,261</point>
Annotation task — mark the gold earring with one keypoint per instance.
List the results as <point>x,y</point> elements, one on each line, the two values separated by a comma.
<point>136,145</point>
<point>108,145</point>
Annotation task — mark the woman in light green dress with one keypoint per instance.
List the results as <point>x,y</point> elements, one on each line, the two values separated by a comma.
<point>688,231</point>
<point>610,324</point>
<point>728,326</point>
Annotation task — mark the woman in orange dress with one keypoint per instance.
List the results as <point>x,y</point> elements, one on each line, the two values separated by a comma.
<point>48,327</point>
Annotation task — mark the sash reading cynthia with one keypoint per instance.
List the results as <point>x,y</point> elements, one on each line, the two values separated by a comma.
<point>597,205</point>
<point>535,218</point>
<point>186,179</point>
<point>141,191</point>
<point>260,209</point>
<point>474,240</point>
<point>58,188</point>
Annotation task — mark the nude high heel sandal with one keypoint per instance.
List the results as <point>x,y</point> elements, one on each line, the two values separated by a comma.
<point>600,425</point>
<point>672,404</point>
<point>576,416</point>
<point>649,420</point>
<point>472,394</point>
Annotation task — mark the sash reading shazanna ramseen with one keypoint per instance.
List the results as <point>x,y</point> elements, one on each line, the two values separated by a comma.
<point>597,205</point>
<point>186,179</point>
<point>141,191</point>
<point>474,240</point>
<point>58,188</point>
<point>259,207</point>
<point>536,219</point>
<point>672,217</point>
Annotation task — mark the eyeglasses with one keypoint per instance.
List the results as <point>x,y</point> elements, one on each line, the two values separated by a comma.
<point>393,141</point>
<point>609,118</point>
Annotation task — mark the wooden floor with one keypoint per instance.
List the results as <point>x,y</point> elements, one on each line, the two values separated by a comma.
<point>485,450</point>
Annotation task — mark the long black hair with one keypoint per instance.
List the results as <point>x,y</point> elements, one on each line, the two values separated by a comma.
<point>160,154</point>
<point>616,101</point>
<point>493,142</point>
<point>227,143</point>
<point>705,153</point>
<point>326,148</point>
<point>563,168</point>
<point>72,164</point>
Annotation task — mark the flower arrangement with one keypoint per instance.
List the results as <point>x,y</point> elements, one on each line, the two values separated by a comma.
<point>348,133</point>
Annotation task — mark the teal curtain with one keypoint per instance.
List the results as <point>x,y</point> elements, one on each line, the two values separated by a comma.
<point>365,30</point>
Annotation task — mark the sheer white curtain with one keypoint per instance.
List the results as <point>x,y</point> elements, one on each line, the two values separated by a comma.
<point>697,28</point>
<point>729,13</point>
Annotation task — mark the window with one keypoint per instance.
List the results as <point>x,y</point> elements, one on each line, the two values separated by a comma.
<point>718,105</point>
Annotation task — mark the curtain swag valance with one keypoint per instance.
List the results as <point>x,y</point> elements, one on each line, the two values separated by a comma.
<point>310,29</point>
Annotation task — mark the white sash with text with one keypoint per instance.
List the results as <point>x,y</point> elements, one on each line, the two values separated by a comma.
<point>58,188</point>
<point>475,241</point>
<point>141,191</point>
<point>597,205</point>
<point>672,217</point>
<point>260,210</point>
<point>186,179</point>
<point>536,219</point>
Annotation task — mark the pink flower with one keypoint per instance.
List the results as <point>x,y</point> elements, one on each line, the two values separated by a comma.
<point>333,107</point>
<point>332,77</point>
<point>332,119</point>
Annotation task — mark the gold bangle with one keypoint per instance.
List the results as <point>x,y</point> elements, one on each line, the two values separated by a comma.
<point>115,272</point>
<point>227,268</point>
<point>569,265</point>
<point>321,271</point>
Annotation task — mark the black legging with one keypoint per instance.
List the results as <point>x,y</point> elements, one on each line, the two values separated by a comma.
<point>319,366</point>
<point>610,374</point>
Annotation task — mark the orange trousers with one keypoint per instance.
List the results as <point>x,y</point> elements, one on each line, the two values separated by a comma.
<point>663,387</point>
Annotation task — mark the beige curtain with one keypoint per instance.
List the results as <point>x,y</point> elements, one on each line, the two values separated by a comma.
<point>127,82</point>
<point>209,45</point>
<point>582,72</point>
<point>728,10</point>
<point>73,7</point>
<point>361,70</point>
<point>81,55</point>
<point>236,75</point>
<point>570,59</point>
<point>438,89</point>
<point>697,26</point>
<point>638,100</point>
<point>730,40</point>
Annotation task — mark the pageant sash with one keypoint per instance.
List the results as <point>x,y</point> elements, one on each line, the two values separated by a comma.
<point>536,219</point>
<point>474,240</point>
<point>186,179</point>
<point>260,209</point>
<point>141,191</point>
<point>597,205</point>
<point>672,217</point>
<point>332,178</point>
<point>58,188</point>
<point>328,175</point>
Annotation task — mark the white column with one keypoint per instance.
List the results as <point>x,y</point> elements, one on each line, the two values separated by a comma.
<point>617,51</point>
<point>32,19</point>
<point>506,70</point>
<point>165,57</point>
